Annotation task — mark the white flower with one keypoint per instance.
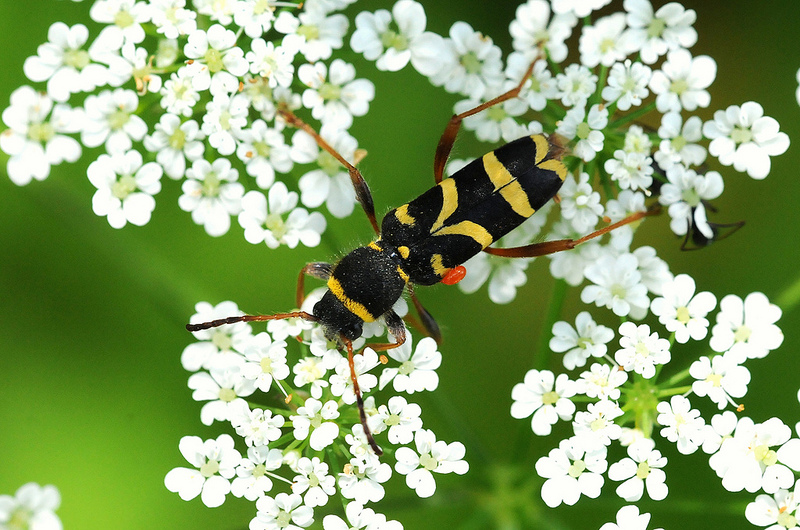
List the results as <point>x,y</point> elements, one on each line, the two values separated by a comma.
<point>254,16</point>
<point>617,286</point>
<point>682,311</point>
<point>721,378</point>
<point>575,85</point>
<point>747,328</point>
<point>111,118</point>
<point>417,371</point>
<point>314,32</point>
<point>285,511</point>
<point>219,346</point>
<point>314,417</point>
<point>602,42</point>
<point>748,461</point>
<point>571,472</point>
<point>719,429</point>
<point>265,361</point>
<point>627,84</point>
<point>682,81</point>
<point>631,170</point>
<point>678,144</point>
<point>223,389</point>
<point>178,96</point>
<point>313,480</point>
<point>653,35</point>
<point>124,18</point>
<point>779,510</point>
<point>309,371</point>
<point>595,427</point>
<point>472,63</point>
<point>252,480</point>
<point>587,339</point>
<point>685,194</point>
<point>682,424</point>
<point>628,518</point>
<point>570,266</point>
<point>263,221</point>
<point>171,18</point>
<point>32,507</point>
<point>587,129</point>
<point>641,350</point>
<point>214,464</point>
<point>125,188</point>
<point>500,122</point>
<point>35,142</point>
<point>63,63</point>
<point>580,203</point>
<point>264,151</point>
<point>400,417</point>
<point>602,381</point>
<point>581,8</point>
<point>224,119</point>
<point>359,517</point>
<point>544,396</point>
<point>431,456</point>
<point>744,138</point>
<point>642,469</point>
<point>539,89</point>
<point>329,184</point>
<point>215,60</point>
<point>258,427</point>
<point>212,193</point>
<point>533,28</point>
<point>363,480</point>
<point>393,39</point>
<point>271,62</point>
<point>218,10</point>
<point>334,95</point>
<point>174,143</point>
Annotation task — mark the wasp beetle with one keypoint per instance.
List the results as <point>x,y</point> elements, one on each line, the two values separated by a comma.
<point>427,240</point>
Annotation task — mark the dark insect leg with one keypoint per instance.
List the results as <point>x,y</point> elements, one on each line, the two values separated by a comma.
<point>251,318</point>
<point>319,270</point>
<point>363,195</point>
<point>551,247</point>
<point>428,323</point>
<point>451,131</point>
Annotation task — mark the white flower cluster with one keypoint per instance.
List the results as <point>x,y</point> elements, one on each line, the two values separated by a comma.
<point>289,442</point>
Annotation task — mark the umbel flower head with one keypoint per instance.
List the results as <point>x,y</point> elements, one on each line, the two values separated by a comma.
<point>247,107</point>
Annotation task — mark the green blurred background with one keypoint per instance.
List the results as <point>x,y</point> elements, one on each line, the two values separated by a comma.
<point>93,397</point>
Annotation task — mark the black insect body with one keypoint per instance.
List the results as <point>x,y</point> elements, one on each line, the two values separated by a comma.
<point>427,240</point>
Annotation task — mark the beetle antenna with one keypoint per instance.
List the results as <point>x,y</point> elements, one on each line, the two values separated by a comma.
<point>250,318</point>
<point>360,400</point>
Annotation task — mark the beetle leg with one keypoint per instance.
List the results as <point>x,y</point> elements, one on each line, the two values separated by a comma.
<point>551,247</point>
<point>451,131</point>
<point>319,270</point>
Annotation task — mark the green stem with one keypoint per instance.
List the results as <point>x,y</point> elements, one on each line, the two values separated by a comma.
<point>543,352</point>
<point>632,116</point>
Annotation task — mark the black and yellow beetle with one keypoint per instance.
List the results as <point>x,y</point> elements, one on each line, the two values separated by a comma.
<point>427,240</point>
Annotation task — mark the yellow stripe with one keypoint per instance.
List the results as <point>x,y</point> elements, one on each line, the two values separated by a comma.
<point>510,188</point>
<point>404,251</point>
<point>375,246</point>
<point>402,274</point>
<point>449,202</point>
<point>556,166</point>
<point>354,307</point>
<point>437,266</point>
<point>498,173</point>
<point>401,213</point>
<point>470,229</point>
<point>542,147</point>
